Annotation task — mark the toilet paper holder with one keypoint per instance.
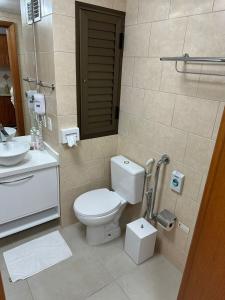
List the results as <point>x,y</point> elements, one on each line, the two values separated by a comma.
<point>68,134</point>
<point>166,219</point>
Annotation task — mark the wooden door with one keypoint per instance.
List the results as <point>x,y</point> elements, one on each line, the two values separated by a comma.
<point>2,294</point>
<point>204,275</point>
<point>7,112</point>
<point>4,55</point>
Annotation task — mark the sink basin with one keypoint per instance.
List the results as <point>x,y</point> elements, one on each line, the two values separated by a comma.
<point>12,153</point>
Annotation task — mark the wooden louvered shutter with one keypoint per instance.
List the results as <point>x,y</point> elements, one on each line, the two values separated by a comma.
<point>99,39</point>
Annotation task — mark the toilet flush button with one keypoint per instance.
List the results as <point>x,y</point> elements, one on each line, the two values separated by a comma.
<point>126,162</point>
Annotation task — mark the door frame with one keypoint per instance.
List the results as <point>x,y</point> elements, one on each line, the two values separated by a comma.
<point>14,69</point>
<point>204,258</point>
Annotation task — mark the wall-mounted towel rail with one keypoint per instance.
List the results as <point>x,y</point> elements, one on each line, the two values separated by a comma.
<point>188,59</point>
<point>40,83</point>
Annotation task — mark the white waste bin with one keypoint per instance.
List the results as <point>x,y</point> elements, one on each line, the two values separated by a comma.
<point>140,240</point>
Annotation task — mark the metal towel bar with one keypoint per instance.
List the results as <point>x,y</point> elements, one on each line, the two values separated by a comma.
<point>188,59</point>
<point>40,83</point>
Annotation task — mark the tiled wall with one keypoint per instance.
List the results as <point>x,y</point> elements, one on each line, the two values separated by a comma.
<point>86,166</point>
<point>163,111</point>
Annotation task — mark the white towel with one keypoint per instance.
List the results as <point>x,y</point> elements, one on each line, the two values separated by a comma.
<point>32,257</point>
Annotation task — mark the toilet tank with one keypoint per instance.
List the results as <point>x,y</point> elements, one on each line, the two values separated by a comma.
<point>127,179</point>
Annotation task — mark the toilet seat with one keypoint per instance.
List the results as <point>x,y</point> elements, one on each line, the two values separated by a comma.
<point>97,203</point>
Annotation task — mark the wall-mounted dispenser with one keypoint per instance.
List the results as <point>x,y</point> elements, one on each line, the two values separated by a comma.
<point>177,182</point>
<point>70,136</point>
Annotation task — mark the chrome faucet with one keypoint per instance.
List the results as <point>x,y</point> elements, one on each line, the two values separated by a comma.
<point>3,134</point>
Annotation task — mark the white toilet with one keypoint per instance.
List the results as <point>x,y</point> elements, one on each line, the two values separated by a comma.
<point>100,209</point>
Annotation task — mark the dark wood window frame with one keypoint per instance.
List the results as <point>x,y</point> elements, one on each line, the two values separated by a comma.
<point>116,89</point>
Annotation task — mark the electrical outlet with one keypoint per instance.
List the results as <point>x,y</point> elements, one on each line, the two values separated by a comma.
<point>183,227</point>
<point>49,123</point>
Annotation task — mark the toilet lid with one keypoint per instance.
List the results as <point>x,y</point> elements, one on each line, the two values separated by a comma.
<point>97,203</point>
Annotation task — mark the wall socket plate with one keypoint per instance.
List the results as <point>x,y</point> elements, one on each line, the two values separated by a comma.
<point>183,227</point>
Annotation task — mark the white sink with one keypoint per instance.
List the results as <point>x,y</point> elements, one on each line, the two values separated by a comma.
<point>12,153</point>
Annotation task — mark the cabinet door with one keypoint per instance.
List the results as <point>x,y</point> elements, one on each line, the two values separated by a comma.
<point>28,193</point>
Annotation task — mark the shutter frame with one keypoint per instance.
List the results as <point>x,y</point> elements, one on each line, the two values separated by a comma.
<point>98,62</point>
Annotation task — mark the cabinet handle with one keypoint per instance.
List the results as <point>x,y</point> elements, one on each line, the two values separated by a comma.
<point>17,180</point>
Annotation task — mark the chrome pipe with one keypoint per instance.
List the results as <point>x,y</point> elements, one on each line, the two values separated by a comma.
<point>164,160</point>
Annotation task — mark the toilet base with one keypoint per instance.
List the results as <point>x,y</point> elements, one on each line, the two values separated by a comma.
<point>97,235</point>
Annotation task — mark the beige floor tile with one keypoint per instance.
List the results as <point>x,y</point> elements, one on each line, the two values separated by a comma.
<point>155,280</point>
<point>110,292</point>
<point>115,260</point>
<point>15,291</point>
<point>75,278</point>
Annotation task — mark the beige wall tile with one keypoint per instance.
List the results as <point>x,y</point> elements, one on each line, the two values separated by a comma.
<point>124,121</point>
<point>65,7</point>
<point>200,28</point>
<point>50,102</point>
<point>66,100</point>
<point>191,7</point>
<point>186,211</point>
<point>198,153</point>
<point>44,35</point>
<point>65,70</point>
<point>67,121</point>
<point>218,120</point>
<point>143,132</point>
<point>195,115</point>
<point>131,12</point>
<point>171,141</point>
<point>119,5</point>
<point>46,71</point>
<point>147,73</point>
<point>219,5</point>
<point>75,175</point>
<point>153,10</point>
<point>128,70</point>
<point>64,33</point>
<point>212,87</point>
<point>132,100</point>
<point>159,106</point>
<point>137,40</point>
<point>177,83</point>
<point>167,37</point>
<point>28,38</point>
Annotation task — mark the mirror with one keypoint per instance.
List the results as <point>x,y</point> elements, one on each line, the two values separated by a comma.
<point>16,51</point>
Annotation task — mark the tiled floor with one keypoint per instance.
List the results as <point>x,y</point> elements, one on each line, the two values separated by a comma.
<point>95,273</point>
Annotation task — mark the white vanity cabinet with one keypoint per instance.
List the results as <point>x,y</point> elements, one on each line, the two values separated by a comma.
<point>28,193</point>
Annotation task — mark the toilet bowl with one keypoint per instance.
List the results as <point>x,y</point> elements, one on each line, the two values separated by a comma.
<point>100,209</point>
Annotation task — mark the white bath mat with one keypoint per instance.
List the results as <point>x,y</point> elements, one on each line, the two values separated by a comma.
<point>35,256</point>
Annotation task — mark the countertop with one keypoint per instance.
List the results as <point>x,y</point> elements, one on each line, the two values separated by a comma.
<point>34,160</point>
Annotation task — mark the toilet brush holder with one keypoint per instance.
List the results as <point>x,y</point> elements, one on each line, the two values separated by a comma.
<point>166,219</point>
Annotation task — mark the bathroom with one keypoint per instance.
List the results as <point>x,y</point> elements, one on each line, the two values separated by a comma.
<point>161,111</point>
